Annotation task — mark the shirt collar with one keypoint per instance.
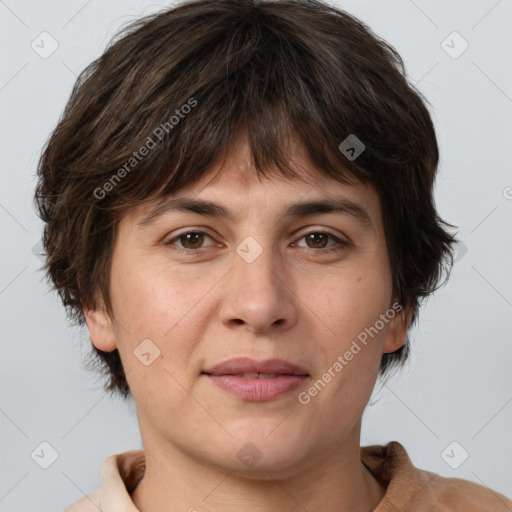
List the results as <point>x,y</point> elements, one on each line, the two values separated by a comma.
<point>120,475</point>
<point>389,464</point>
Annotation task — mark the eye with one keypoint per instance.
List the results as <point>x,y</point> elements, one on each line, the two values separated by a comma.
<point>316,240</point>
<point>190,241</point>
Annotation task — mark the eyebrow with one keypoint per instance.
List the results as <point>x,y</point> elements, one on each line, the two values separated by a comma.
<point>297,210</point>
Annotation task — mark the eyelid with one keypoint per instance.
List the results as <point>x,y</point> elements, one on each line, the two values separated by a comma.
<point>185,231</point>
<point>341,240</point>
<point>318,229</point>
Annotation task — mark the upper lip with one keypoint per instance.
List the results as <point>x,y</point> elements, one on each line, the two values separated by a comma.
<point>241,365</point>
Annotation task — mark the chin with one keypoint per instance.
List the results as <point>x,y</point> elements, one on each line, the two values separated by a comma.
<point>261,448</point>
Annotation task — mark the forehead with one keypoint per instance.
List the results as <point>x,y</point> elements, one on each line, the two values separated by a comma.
<point>234,182</point>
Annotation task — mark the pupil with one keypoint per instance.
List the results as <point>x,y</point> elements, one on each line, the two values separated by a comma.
<point>191,236</point>
<point>314,238</point>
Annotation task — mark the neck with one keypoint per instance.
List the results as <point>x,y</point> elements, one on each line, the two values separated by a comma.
<point>178,480</point>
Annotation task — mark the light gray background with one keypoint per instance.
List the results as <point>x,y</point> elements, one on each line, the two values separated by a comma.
<point>458,386</point>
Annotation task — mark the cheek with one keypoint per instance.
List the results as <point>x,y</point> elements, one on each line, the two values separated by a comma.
<point>352,302</point>
<point>350,351</point>
<point>144,311</point>
<point>153,299</point>
<point>158,303</point>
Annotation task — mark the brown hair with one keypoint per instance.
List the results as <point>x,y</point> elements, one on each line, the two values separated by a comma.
<point>182,83</point>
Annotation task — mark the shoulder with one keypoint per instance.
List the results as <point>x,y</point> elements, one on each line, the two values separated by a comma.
<point>409,488</point>
<point>120,474</point>
<point>89,503</point>
<point>454,494</point>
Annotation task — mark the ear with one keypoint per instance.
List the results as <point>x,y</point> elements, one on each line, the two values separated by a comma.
<point>100,328</point>
<point>397,328</point>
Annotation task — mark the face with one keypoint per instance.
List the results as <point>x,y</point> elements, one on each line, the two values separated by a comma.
<point>270,280</point>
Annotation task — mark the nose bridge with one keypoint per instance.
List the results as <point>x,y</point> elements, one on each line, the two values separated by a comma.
<point>256,265</point>
<point>257,294</point>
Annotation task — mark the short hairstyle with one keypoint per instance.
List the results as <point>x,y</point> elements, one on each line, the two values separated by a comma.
<point>165,100</point>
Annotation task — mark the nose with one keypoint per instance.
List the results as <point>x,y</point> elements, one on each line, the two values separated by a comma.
<point>259,295</point>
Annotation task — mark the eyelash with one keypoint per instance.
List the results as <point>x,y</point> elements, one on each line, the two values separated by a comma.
<point>341,244</point>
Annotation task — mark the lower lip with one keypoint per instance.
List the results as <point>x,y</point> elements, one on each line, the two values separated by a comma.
<point>258,390</point>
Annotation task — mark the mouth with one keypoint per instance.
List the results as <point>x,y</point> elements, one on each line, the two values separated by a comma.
<point>254,375</point>
<point>250,368</point>
<point>256,381</point>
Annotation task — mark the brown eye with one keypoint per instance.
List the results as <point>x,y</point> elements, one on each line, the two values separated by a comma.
<point>190,241</point>
<point>318,240</point>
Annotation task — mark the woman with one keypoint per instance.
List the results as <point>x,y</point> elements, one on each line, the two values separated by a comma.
<point>239,205</point>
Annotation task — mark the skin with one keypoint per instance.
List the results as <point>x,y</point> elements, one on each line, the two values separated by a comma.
<point>297,301</point>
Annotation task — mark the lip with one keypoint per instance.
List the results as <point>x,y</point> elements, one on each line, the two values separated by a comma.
<point>229,377</point>
<point>241,365</point>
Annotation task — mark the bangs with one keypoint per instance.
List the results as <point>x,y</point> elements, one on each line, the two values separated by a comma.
<point>186,118</point>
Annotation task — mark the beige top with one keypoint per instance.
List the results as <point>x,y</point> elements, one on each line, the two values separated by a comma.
<point>408,489</point>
